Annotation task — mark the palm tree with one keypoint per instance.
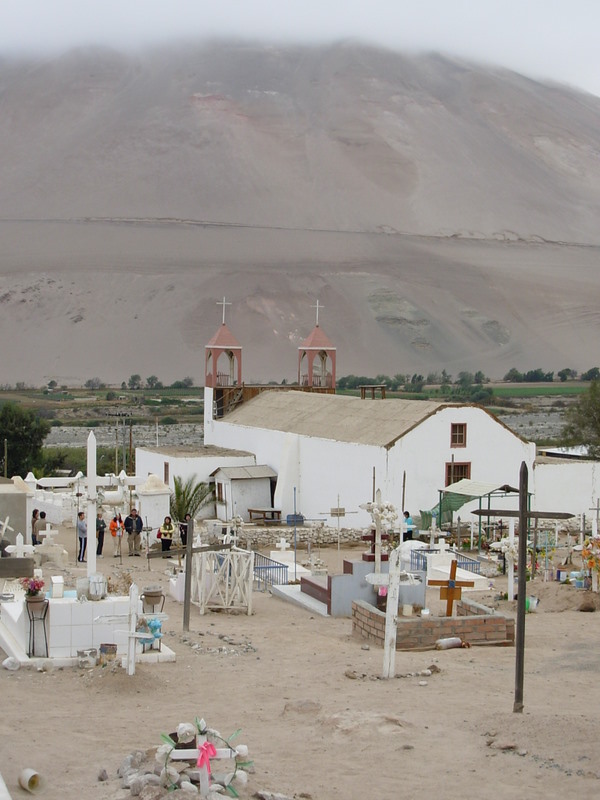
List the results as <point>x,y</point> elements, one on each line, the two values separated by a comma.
<point>188,497</point>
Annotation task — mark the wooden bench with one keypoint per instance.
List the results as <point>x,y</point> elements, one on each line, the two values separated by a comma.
<point>267,516</point>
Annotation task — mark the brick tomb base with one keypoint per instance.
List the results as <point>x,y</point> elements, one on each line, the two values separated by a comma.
<point>474,623</point>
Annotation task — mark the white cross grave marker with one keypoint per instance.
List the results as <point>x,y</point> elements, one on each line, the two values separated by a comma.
<point>383,515</point>
<point>132,616</point>
<point>392,581</point>
<point>204,752</point>
<point>432,531</point>
<point>443,545</point>
<point>49,533</point>
<point>282,544</point>
<point>20,550</point>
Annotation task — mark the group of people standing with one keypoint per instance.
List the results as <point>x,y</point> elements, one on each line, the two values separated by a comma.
<point>38,520</point>
<point>132,526</point>
<point>167,531</point>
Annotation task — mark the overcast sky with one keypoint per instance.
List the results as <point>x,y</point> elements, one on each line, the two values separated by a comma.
<point>556,39</point>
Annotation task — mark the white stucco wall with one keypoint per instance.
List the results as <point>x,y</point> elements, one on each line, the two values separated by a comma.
<point>320,469</point>
<point>565,485</point>
<point>240,495</point>
<point>494,452</point>
<point>152,462</point>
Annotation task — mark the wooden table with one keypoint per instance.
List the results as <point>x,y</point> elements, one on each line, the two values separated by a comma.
<point>265,515</point>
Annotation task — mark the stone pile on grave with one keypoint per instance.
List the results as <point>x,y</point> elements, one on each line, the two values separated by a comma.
<point>195,759</point>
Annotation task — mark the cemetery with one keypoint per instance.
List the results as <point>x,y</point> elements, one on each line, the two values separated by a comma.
<point>315,621</point>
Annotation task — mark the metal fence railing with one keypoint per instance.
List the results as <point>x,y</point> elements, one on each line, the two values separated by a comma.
<point>418,561</point>
<point>268,572</point>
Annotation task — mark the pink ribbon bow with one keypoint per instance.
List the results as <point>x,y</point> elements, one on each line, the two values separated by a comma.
<point>206,751</point>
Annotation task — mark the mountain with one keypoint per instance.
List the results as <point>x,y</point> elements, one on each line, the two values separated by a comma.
<point>445,214</point>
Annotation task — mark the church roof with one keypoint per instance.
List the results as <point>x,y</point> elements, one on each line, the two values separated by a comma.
<point>326,416</point>
<point>316,339</point>
<point>244,473</point>
<point>224,338</point>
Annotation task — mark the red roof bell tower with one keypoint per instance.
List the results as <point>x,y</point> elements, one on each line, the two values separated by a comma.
<point>223,357</point>
<point>316,358</point>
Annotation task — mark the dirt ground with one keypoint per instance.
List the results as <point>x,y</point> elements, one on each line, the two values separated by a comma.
<point>281,675</point>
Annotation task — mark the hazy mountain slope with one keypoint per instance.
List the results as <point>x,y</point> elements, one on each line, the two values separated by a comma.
<point>320,158</point>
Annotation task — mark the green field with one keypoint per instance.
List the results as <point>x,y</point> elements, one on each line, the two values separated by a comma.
<point>567,389</point>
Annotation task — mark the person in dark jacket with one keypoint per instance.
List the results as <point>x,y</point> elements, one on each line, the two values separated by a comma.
<point>133,526</point>
<point>100,528</point>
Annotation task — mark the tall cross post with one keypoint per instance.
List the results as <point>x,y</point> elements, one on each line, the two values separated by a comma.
<point>223,303</point>
<point>317,306</point>
<point>91,504</point>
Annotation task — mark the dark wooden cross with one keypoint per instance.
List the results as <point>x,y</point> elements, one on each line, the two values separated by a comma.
<point>451,589</point>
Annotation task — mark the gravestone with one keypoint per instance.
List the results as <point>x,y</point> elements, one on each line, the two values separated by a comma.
<point>49,549</point>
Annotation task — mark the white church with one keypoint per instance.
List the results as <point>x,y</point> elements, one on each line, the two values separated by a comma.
<point>305,449</point>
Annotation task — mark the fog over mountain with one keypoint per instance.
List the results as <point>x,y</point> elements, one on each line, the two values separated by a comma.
<point>444,214</point>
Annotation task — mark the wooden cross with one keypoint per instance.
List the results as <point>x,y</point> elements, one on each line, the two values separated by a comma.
<point>451,589</point>
<point>596,508</point>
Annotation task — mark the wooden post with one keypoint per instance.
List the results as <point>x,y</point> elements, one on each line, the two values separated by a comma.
<point>391,615</point>
<point>187,597</point>
<point>510,561</point>
<point>522,589</point>
<point>378,536</point>
<point>132,639</point>
<point>535,548</point>
<point>392,581</point>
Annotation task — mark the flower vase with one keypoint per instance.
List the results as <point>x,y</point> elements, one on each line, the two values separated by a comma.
<point>33,599</point>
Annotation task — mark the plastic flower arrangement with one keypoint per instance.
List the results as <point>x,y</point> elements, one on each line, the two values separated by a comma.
<point>590,555</point>
<point>510,549</point>
<point>32,586</point>
<point>382,513</point>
